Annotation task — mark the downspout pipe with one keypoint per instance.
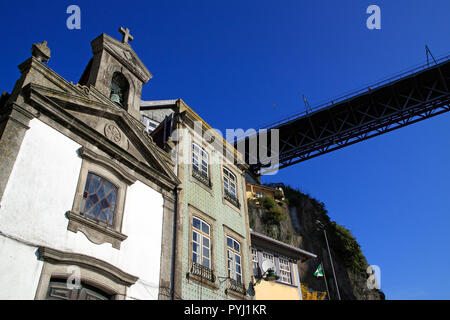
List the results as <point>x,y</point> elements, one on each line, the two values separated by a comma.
<point>174,242</point>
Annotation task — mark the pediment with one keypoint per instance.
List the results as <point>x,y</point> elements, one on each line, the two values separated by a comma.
<point>88,113</point>
<point>112,128</point>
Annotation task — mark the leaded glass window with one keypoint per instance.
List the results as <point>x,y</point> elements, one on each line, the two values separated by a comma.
<point>99,200</point>
<point>201,243</point>
<point>234,259</point>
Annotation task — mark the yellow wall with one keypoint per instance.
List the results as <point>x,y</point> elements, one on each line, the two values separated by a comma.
<point>252,189</point>
<point>266,290</point>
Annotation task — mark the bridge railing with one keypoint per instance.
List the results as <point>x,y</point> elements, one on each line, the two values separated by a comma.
<point>357,92</point>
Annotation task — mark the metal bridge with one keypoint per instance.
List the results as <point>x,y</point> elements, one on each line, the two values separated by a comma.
<point>401,100</point>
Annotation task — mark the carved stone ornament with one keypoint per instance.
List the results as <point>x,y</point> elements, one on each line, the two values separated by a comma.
<point>40,51</point>
<point>113,133</point>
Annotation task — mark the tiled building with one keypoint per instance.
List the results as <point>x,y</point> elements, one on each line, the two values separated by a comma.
<point>212,236</point>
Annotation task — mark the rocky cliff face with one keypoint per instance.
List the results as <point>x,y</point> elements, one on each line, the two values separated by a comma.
<point>297,227</point>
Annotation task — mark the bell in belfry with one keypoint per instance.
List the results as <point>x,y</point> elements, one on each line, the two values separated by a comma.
<point>119,89</point>
<point>115,98</point>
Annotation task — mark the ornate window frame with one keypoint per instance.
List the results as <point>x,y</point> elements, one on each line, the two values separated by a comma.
<point>95,272</point>
<point>111,171</point>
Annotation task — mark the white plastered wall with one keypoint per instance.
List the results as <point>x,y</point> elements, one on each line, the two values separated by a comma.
<point>40,191</point>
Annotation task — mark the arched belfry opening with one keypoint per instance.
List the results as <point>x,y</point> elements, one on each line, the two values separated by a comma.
<point>116,72</point>
<point>119,89</point>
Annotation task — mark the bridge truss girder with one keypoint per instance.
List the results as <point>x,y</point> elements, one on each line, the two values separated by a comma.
<point>416,97</point>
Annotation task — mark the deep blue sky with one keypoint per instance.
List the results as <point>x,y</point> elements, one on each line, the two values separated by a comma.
<point>231,61</point>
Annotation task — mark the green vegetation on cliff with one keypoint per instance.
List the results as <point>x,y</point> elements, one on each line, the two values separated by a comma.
<point>341,239</point>
<point>292,221</point>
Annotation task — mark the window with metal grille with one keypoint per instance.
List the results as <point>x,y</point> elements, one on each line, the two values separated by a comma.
<point>234,259</point>
<point>285,271</point>
<point>99,200</point>
<point>201,243</point>
<point>200,160</point>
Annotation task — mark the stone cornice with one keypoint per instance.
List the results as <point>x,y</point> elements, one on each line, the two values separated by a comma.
<point>94,264</point>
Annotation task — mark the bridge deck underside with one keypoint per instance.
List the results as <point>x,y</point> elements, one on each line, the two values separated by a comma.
<point>394,105</point>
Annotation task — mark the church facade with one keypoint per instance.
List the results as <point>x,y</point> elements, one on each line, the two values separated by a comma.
<point>87,199</point>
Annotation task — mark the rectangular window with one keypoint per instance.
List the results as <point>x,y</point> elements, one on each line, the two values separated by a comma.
<point>229,187</point>
<point>201,243</point>
<point>234,260</point>
<point>200,163</point>
<point>255,262</point>
<point>259,194</point>
<point>150,124</point>
<point>268,256</point>
<point>285,271</point>
<point>229,182</point>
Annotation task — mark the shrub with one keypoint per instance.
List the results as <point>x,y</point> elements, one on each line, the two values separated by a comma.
<point>274,216</point>
<point>347,248</point>
<point>251,203</point>
<point>278,196</point>
<point>267,202</point>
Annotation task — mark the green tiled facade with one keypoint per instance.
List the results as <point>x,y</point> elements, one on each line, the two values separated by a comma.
<point>211,202</point>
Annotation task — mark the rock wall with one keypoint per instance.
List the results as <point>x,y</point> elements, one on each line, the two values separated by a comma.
<point>298,228</point>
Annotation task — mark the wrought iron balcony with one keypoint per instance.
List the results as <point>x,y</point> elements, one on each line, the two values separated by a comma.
<point>236,286</point>
<point>203,272</point>
<point>233,199</point>
<point>200,176</point>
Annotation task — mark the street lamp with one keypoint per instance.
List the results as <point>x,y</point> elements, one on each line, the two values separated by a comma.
<point>320,224</point>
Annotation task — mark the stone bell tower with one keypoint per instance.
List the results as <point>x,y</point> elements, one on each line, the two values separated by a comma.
<point>117,72</point>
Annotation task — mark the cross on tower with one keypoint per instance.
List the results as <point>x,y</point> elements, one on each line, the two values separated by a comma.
<point>126,35</point>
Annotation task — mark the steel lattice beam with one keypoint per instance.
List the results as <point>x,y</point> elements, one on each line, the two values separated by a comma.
<point>393,105</point>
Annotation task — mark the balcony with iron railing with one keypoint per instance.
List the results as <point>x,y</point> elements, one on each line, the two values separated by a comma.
<point>202,177</point>
<point>202,272</point>
<point>233,199</point>
<point>236,287</point>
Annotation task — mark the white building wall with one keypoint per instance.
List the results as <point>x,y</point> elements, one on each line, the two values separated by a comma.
<point>40,191</point>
